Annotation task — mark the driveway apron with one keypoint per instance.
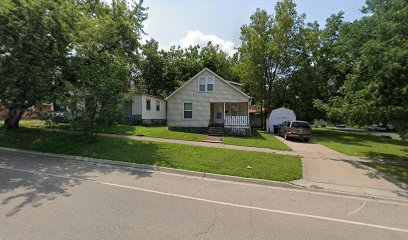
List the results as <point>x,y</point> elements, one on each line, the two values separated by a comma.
<point>326,168</point>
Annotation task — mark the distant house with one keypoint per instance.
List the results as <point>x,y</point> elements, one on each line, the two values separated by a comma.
<point>209,101</point>
<point>147,109</point>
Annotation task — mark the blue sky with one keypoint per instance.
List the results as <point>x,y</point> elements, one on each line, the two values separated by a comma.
<point>178,22</point>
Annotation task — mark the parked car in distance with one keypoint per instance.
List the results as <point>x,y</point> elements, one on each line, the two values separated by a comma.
<point>296,129</point>
<point>378,127</point>
<point>342,125</point>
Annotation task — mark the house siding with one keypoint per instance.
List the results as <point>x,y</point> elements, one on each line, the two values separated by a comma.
<point>153,114</point>
<point>137,105</point>
<point>201,102</point>
<point>139,111</point>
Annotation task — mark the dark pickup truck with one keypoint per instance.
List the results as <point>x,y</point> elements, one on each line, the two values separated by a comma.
<point>296,129</point>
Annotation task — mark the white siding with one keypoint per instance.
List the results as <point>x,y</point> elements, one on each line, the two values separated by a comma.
<point>153,114</point>
<point>137,105</point>
<point>201,100</point>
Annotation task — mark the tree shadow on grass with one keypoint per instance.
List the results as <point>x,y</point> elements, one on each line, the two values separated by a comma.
<point>387,157</point>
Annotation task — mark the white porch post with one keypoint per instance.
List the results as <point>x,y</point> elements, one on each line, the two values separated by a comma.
<point>248,112</point>
<point>223,114</point>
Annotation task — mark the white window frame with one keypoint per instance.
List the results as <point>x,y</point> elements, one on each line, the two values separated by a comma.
<point>150,105</point>
<point>205,84</point>
<point>192,111</point>
<point>206,80</point>
<point>157,105</point>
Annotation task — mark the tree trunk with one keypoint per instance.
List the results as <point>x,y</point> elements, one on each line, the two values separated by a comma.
<point>13,118</point>
<point>262,116</point>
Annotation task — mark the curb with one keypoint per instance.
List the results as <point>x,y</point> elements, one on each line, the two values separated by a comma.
<point>159,169</point>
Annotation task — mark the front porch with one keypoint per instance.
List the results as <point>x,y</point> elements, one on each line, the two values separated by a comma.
<point>232,116</point>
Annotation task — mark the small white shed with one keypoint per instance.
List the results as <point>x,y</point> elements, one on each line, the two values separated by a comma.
<point>147,109</point>
<point>278,116</point>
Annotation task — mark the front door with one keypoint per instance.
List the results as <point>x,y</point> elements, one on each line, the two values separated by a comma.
<point>218,113</point>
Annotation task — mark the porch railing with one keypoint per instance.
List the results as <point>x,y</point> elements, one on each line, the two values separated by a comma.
<point>236,121</point>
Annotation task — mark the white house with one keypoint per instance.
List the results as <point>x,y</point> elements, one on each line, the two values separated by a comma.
<point>278,116</point>
<point>148,109</point>
<point>208,100</point>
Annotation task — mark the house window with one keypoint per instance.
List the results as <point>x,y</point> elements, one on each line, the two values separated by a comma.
<point>157,105</point>
<point>210,84</point>
<point>206,84</point>
<point>234,109</point>
<point>201,84</point>
<point>148,104</point>
<point>188,110</point>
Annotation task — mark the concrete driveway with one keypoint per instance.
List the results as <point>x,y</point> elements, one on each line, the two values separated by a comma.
<point>53,198</point>
<point>329,169</point>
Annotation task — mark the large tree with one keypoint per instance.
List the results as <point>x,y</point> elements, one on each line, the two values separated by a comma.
<point>269,48</point>
<point>319,74</point>
<point>151,79</point>
<point>34,40</point>
<point>376,56</point>
<point>105,50</point>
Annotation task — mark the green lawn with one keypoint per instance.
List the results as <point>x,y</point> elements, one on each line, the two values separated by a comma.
<point>399,172</point>
<point>394,152</point>
<point>258,139</point>
<point>148,131</point>
<point>362,144</point>
<point>221,161</point>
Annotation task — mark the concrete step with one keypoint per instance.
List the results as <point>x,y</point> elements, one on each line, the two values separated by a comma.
<point>216,131</point>
<point>215,128</point>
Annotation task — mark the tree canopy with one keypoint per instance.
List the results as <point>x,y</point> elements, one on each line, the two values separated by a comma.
<point>87,55</point>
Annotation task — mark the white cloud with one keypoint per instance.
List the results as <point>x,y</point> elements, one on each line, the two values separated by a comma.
<point>197,37</point>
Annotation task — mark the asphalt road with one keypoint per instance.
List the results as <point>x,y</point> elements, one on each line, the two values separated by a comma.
<point>51,198</point>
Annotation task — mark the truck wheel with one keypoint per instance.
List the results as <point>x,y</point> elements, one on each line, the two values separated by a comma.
<point>306,139</point>
<point>285,136</point>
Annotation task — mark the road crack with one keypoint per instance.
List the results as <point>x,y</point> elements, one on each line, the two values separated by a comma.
<point>210,226</point>
<point>358,209</point>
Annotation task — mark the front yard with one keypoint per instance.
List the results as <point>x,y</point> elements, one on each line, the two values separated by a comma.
<point>221,161</point>
<point>393,152</point>
<point>258,139</point>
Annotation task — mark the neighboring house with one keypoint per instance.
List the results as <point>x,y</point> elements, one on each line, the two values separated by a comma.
<point>30,113</point>
<point>147,109</point>
<point>207,100</point>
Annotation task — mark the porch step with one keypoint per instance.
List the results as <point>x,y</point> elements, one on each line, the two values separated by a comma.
<point>216,131</point>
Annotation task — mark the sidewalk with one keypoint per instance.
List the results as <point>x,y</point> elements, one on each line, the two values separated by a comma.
<point>191,143</point>
<point>324,168</point>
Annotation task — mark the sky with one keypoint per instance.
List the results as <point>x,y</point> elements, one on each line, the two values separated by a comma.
<point>190,22</point>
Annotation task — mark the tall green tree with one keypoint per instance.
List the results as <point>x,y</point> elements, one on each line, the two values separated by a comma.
<point>104,56</point>
<point>152,69</point>
<point>268,51</point>
<point>376,87</point>
<point>34,40</point>
<point>319,74</point>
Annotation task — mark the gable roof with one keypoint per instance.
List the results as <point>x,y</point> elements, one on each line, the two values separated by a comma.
<point>235,83</point>
<point>195,76</point>
<point>148,95</point>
